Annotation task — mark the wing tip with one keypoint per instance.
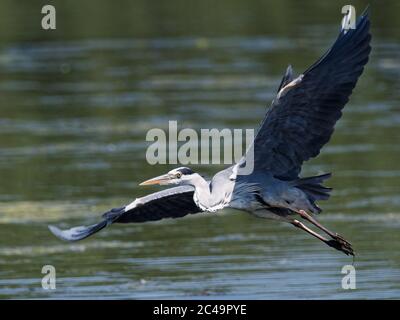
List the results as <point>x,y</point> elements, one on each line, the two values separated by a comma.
<point>364,16</point>
<point>60,234</point>
<point>362,19</point>
<point>77,233</point>
<point>365,13</point>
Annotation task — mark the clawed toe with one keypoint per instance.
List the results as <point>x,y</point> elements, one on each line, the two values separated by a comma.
<point>343,246</point>
<point>340,239</point>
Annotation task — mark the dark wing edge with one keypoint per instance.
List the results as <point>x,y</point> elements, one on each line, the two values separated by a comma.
<point>301,120</point>
<point>170,203</point>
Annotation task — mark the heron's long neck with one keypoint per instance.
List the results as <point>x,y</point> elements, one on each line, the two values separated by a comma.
<point>206,199</point>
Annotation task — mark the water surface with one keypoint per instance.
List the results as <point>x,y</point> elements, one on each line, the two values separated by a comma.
<point>75,107</point>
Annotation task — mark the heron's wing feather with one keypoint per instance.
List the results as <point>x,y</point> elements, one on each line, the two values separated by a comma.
<point>287,78</point>
<point>302,117</point>
<point>170,203</point>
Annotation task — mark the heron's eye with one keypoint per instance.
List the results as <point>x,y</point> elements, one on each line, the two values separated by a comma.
<point>179,175</point>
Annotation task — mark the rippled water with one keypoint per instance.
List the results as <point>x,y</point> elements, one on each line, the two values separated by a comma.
<point>75,107</point>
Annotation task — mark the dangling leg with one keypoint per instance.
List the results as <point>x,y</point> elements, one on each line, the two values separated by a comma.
<point>334,243</point>
<point>333,235</point>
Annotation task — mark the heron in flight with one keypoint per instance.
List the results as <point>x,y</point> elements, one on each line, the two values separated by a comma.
<point>299,122</point>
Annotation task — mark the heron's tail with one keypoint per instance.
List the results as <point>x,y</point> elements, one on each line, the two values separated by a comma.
<point>82,232</point>
<point>313,188</point>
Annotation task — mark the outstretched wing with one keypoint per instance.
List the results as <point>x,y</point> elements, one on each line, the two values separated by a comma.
<point>301,119</point>
<point>170,203</point>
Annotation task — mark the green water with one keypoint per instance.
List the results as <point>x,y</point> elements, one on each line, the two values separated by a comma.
<point>76,104</point>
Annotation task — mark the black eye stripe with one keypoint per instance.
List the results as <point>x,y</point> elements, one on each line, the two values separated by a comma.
<point>185,170</point>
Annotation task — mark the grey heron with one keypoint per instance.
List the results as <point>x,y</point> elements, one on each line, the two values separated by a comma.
<point>299,122</point>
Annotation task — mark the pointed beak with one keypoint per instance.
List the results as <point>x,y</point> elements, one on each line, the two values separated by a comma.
<point>163,179</point>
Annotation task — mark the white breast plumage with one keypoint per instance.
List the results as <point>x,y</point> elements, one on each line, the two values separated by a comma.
<point>215,207</point>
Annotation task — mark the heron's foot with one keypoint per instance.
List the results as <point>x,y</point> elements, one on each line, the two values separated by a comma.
<point>340,245</point>
<point>340,239</point>
<point>335,236</point>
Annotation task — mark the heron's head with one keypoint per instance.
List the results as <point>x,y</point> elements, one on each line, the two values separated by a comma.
<point>178,176</point>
